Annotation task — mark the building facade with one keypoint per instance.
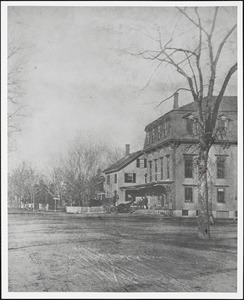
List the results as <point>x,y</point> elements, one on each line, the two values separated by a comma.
<point>124,175</point>
<point>171,152</point>
<point>169,158</point>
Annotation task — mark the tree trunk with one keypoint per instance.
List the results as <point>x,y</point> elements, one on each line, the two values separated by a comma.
<point>203,209</point>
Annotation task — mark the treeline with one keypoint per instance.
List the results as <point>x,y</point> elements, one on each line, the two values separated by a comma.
<point>72,179</point>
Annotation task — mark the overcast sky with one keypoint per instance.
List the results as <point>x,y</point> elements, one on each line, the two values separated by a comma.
<point>78,79</point>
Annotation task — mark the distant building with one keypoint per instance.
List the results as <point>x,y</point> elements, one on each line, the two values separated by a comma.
<point>166,170</point>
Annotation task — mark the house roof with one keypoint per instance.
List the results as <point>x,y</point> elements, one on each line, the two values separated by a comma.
<point>123,162</point>
<point>228,104</point>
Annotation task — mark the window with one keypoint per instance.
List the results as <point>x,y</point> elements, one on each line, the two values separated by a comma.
<point>115,178</point>
<point>161,167</point>
<point>188,167</point>
<point>153,135</point>
<point>165,128</point>
<point>167,166</point>
<point>223,123</point>
<point>188,195</point>
<point>223,214</point>
<point>130,177</point>
<point>108,179</point>
<point>222,126</point>
<point>138,163</point>
<point>192,126</point>
<point>221,167</point>
<point>156,169</point>
<point>147,138</point>
<point>145,178</point>
<point>159,132</point>
<point>145,162</point>
<point>184,212</point>
<point>189,126</point>
<point>220,195</point>
<point>150,171</point>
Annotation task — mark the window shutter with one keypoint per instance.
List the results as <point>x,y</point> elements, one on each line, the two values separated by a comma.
<point>134,177</point>
<point>138,163</point>
<point>145,163</point>
<point>189,126</point>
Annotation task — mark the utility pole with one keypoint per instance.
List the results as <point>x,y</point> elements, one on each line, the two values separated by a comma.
<point>55,199</point>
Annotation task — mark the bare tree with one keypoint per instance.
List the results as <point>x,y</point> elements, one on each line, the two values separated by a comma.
<point>17,54</point>
<point>75,176</point>
<point>22,184</point>
<point>198,63</point>
<point>80,169</point>
<point>111,155</point>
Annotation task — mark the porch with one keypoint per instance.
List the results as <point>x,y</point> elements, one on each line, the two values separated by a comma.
<point>158,194</point>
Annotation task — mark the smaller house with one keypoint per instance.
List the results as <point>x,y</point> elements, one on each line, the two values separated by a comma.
<point>122,177</point>
<point>100,195</point>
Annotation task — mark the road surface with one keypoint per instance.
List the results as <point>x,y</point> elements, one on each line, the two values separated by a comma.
<point>61,252</point>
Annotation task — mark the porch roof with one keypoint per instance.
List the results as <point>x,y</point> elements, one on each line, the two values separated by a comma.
<point>146,185</point>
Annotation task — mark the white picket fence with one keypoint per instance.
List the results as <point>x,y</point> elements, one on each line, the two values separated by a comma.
<point>84,210</point>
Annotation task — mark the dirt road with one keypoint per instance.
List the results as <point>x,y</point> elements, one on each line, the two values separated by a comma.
<point>118,253</point>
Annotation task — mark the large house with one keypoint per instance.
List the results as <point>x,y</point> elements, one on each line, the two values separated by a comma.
<point>170,155</point>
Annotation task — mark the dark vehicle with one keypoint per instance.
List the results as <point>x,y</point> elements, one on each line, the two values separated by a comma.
<point>123,208</point>
<point>95,203</point>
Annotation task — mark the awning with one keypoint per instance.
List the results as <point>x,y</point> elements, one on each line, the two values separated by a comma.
<point>147,185</point>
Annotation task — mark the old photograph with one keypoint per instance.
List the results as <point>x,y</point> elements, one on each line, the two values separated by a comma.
<point>121,127</point>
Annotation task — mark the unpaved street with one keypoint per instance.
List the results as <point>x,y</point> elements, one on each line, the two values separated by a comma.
<point>118,253</point>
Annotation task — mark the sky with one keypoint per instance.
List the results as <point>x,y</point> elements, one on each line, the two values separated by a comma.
<point>78,77</point>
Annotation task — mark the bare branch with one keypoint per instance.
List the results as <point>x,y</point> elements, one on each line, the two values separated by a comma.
<point>221,94</point>
<point>198,59</point>
<point>193,73</point>
<point>222,44</point>
<point>180,89</point>
<point>192,21</point>
<point>179,70</point>
<point>147,35</point>
<point>10,115</point>
<point>181,50</point>
<point>150,78</point>
<point>211,57</point>
<point>214,21</point>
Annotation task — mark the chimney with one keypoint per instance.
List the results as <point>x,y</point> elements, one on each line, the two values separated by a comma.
<point>127,149</point>
<point>176,104</point>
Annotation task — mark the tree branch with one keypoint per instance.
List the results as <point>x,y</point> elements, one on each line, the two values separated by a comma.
<point>181,50</point>
<point>192,21</point>
<point>10,115</point>
<point>193,73</point>
<point>150,78</point>
<point>222,44</point>
<point>179,89</point>
<point>221,94</point>
<point>144,34</point>
<point>200,95</point>
<point>214,21</point>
